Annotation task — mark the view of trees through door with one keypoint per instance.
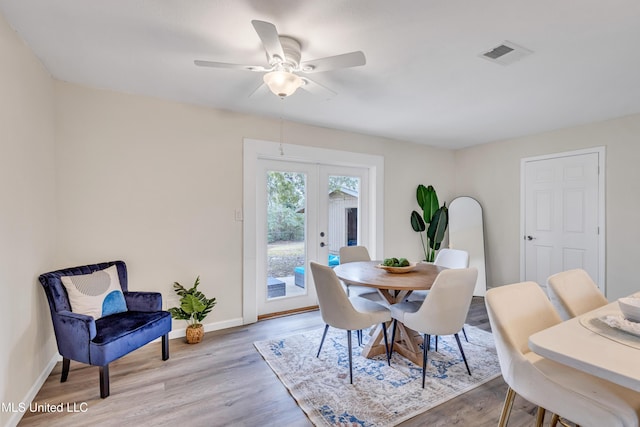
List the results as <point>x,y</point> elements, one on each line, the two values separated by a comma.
<point>292,196</point>
<point>286,225</point>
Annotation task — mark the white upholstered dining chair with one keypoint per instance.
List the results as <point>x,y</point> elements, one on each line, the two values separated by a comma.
<point>354,254</point>
<point>452,258</point>
<point>575,292</point>
<point>516,312</point>
<point>448,258</point>
<point>443,311</point>
<point>343,312</point>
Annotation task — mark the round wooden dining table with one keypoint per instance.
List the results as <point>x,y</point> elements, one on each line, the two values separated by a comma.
<point>393,287</point>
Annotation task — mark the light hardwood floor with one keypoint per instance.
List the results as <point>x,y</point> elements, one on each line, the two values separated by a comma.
<point>223,381</point>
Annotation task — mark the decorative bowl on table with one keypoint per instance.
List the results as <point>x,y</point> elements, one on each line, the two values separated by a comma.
<point>398,270</point>
<point>630,308</point>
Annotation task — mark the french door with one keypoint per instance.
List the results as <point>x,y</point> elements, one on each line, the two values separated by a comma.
<point>305,212</point>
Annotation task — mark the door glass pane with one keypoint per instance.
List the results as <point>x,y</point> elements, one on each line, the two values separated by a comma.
<point>286,225</point>
<point>343,210</point>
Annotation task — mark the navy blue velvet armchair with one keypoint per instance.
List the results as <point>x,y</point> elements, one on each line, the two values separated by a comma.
<point>99,342</point>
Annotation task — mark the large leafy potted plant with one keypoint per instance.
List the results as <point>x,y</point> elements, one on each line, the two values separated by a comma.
<point>194,307</point>
<point>432,223</point>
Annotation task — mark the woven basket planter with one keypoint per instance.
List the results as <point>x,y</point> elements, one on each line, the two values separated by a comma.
<point>194,333</point>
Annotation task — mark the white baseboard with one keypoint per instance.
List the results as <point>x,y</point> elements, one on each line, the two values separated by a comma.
<point>208,327</point>
<point>35,388</point>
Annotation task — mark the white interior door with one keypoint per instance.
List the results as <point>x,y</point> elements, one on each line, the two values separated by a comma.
<point>562,216</point>
<point>306,212</point>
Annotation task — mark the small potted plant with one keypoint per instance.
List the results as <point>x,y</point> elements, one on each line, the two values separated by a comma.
<point>194,307</point>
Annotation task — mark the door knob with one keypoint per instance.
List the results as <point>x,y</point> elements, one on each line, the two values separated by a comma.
<point>322,245</point>
<point>530,238</point>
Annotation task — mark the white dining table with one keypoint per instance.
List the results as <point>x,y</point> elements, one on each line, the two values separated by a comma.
<point>589,345</point>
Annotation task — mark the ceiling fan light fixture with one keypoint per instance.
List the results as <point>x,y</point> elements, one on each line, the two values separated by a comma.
<point>282,83</point>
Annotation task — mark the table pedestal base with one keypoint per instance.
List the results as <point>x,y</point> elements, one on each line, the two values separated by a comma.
<point>407,343</point>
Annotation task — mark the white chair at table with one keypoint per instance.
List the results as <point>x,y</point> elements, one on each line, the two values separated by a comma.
<point>576,292</point>
<point>448,258</point>
<point>452,258</point>
<point>355,254</point>
<point>518,311</point>
<point>342,312</point>
<point>442,312</point>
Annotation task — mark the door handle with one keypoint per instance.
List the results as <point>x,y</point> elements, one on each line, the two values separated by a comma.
<point>322,245</point>
<point>530,238</point>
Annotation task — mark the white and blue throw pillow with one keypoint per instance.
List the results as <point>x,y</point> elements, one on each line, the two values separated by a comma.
<point>97,294</point>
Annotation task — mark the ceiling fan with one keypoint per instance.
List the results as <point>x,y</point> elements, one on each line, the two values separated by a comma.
<point>283,56</point>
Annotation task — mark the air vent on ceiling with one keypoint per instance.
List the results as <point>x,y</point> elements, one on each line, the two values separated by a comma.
<point>506,53</point>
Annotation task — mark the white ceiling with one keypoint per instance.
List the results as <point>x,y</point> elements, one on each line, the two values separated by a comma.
<point>423,81</point>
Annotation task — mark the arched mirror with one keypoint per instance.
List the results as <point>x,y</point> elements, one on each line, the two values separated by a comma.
<point>466,232</point>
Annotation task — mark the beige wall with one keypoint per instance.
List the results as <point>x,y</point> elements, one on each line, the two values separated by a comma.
<point>491,173</point>
<point>155,183</point>
<point>27,218</point>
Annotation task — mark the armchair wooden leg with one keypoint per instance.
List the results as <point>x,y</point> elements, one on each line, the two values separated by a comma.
<point>506,408</point>
<point>165,347</point>
<point>65,369</point>
<point>104,381</point>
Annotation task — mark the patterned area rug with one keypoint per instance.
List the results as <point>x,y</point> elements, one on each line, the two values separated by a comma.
<point>380,395</point>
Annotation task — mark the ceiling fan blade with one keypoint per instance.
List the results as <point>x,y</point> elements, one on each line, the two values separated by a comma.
<point>317,89</point>
<point>270,39</point>
<point>212,64</point>
<point>346,60</point>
